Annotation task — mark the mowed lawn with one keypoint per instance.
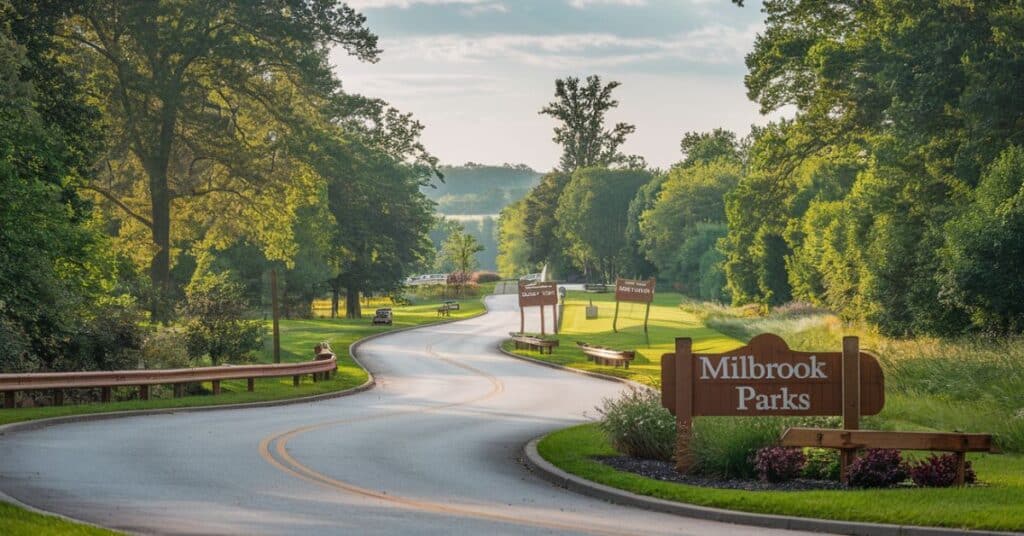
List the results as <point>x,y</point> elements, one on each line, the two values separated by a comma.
<point>997,503</point>
<point>666,322</point>
<point>298,337</point>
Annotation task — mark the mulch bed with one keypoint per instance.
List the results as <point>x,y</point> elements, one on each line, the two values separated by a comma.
<point>666,471</point>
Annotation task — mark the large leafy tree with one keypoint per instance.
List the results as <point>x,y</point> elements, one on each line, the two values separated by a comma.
<point>592,217</point>
<point>60,308</point>
<point>580,110</point>
<point>202,97</point>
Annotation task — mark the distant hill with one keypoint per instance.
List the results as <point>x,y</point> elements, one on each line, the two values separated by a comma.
<point>480,189</point>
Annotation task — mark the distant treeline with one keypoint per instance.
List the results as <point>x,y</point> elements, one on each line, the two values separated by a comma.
<point>480,189</point>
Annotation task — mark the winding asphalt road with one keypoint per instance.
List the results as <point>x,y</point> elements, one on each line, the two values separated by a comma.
<point>434,448</point>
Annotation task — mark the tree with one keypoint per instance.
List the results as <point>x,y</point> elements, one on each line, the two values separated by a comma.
<point>60,304</point>
<point>580,111</point>
<point>513,248</point>
<point>592,217</point>
<point>704,147</point>
<point>214,305</point>
<point>981,260</point>
<point>181,83</point>
<point>546,245</point>
<point>460,251</point>
<point>690,197</point>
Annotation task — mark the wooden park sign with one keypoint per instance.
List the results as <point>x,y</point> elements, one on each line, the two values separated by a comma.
<point>538,295</point>
<point>766,378</point>
<point>634,291</point>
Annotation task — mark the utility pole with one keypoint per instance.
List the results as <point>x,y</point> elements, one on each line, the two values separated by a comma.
<point>276,313</point>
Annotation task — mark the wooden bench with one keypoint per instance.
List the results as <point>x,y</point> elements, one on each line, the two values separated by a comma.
<point>533,343</point>
<point>595,287</point>
<point>446,309</point>
<point>852,440</point>
<point>607,356</point>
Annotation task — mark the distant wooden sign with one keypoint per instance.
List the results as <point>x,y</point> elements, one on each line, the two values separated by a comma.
<point>538,295</point>
<point>766,378</point>
<point>636,291</point>
<point>633,290</point>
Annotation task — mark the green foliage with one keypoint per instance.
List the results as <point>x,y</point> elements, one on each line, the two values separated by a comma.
<point>480,189</point>
<point>821,464</point>
<point>459,251</point>
<point>706,147</point>
<point>592,217</point>
<point>725,446</point>
<point>214,307</point>
<point>985,248</point>
<point>513,249</point>
<point>638,425</point>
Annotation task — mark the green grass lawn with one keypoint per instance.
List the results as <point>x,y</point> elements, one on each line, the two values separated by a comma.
<point>297,340</point>
<point>16,521</point>
<point>996,504</point>
<point>667,321</point>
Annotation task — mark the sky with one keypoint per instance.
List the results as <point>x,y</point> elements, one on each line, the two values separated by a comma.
<point>476,72</point>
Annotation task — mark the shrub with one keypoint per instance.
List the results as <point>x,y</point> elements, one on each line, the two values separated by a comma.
<point>638,425</point>
<point>485,277</point>
<point>725,447</point>
<point>778,464</point>
<point>165,349</point>
<point>878,468</point>
<point>821,464</point>
<point>939,471</point>
<point>215,304</point>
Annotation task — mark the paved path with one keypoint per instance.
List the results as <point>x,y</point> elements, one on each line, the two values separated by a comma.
<point>433,449</point>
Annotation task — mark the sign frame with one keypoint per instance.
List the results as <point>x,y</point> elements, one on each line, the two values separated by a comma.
<point>538,294</point>
<point>633,291</point>
<point>848,383</point>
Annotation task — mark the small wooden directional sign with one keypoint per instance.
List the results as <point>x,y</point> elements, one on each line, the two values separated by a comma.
<point>538,295</point>
<point>636,291</point>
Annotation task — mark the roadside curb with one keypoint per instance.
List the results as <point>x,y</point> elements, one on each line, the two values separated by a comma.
<point>597,375</point>
<point>548,471</point>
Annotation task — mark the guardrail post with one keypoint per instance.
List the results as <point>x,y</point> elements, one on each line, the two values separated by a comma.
<point>9,399</point>
<point>295,380</point>
<point>104,394</point>
<point>216,387</point>
<point>143,392</point>
<point>179,390</point>
<point>315,376</point>
<point>251,384</point>
<point>58,397</point>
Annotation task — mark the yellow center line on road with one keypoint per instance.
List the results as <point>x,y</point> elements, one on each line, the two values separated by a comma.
<point>285,462</point>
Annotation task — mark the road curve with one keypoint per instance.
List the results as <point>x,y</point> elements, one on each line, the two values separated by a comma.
<point>433,449</point>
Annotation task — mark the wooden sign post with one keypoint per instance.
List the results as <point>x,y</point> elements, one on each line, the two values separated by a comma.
<point>636,291</point>
<point>766,378</point>
<point>538,295</point>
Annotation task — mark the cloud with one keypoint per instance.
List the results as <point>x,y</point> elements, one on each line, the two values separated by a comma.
<point>713,45</point>
<point>582,4</point>
<point>478,9</point>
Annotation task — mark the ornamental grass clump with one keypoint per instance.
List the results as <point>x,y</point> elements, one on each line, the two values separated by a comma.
<point>778,464</point>
<point>725,446</point>
<point>939,472</point>
<point>638,425</point>
<point>878,468</point>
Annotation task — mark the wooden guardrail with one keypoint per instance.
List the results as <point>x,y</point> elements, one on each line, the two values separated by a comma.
<point>607,356</point>
<point>105,380</point>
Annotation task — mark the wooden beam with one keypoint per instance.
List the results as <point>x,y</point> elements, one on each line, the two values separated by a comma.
<point>873,439</point>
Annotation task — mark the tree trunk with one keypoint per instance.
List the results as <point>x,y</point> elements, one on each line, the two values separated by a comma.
<point>353,309</point>
<point>160,266</point>
<point>335,298</point>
